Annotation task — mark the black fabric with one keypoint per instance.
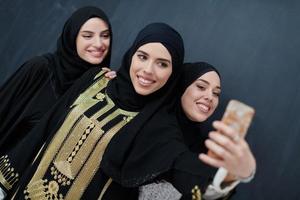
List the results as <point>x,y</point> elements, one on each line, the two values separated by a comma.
<point>121,89</point>
<point>41,81</point>
<point>25,98</point>
<point>191,72</point>
<point>21,156</point>
<point>166,147</point>
<point>46,129</point>
<point>188,170</point>
<point>115,158</point>
<point>66,64</point>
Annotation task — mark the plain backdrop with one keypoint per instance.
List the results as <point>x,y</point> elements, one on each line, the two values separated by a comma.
<point>255,44</point>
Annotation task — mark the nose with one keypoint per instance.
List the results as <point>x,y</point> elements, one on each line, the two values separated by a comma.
<point>148,67</point>
<point>209,95</point>
<point>98,42</point>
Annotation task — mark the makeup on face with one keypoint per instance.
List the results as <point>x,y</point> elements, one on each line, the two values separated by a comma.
<point>151,67</point>
<point>93,41</point>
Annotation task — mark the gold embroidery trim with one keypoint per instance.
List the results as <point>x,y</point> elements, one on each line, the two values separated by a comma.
<point>72,117</point>
<point>37,155</point>
<point>42,190</point>
<point>80,170</point>
<point>102,111</point>
<point>92,165</point>
<point>196,193</point>
<point>107,184</point>
<point>91,92</point>
<point>8,176</point>
<point>99,74</point>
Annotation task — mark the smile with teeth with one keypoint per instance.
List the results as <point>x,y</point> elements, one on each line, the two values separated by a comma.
<point>96,53</point>
<point>204,108</point>
<point>145,82</point>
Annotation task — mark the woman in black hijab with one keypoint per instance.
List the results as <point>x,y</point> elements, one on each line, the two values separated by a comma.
<point>167,147</point>
<point>65,158</point>
<point>84,43</point>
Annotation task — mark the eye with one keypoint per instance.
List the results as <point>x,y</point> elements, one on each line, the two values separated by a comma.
<point>163,64</point>
<point>142,57</point>
<point>105,35</point>
<point>201,87</point>
<point>87,36</point>
<point>217,94</point>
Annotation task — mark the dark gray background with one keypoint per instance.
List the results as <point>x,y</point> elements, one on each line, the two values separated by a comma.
<point>254,43</point>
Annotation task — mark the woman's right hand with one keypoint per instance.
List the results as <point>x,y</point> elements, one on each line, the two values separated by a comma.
<point>229,151</point>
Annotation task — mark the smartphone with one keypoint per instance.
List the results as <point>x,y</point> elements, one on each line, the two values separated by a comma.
<point>238,116</point>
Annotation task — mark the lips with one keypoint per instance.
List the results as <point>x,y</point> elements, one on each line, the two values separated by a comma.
<point>145,81</point>
<point>203,107</point>
<point>96,53</point>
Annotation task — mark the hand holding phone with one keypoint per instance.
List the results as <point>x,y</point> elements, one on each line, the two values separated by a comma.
<point>238,116</point>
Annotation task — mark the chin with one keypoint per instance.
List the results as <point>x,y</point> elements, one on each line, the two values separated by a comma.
<point>142,92</point>
<point>96,61</point>
<point>200,118</point>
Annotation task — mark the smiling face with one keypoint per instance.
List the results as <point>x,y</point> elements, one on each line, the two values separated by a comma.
<point>93,41</point>
<point>150,69</point>
<point>201,98</point>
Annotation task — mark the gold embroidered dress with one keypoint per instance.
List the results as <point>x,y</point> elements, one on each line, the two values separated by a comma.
<point>83,132</point>
<point>73,156</point>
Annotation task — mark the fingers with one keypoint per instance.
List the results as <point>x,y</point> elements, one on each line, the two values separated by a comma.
<point>226,130</point>
<point>106,69</point>
<point>110,75</point>
<point>228,152</point>
<point>214,162</point>
<point>235,149</point>
<point>224,142</point>
<point>218,150</point>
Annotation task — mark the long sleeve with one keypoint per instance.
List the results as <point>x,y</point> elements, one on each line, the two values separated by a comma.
<point>214,190</point>
<point>165,190</point>
<point>188,172</point>
<point>26,152</point>
<point>18,90</point>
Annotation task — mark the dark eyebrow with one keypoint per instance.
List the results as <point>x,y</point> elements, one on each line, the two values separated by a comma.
<point>218,87</point>
<point>160,59</point>
<point>107,30</point>
<point>165,60</point>
<point>143,52</point>
<point>87,31</point>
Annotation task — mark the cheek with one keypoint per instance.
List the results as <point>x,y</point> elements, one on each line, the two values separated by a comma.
<point>215,104</point>
<point>186,103</point>
<point>132,70</point>
<point>164,75</point>
<point>80,46</point>
<point>106,43</point>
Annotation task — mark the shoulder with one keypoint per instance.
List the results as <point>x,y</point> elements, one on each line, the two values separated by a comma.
<point>166,118</point>
<point>93,74</point>
<point>90,77</point>
<point>36,65</point>
<point>163,124</point>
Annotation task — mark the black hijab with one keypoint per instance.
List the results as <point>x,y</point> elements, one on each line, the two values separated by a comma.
<point>66,64</point>
<point>192,135</point>
<point>121,89</point>
<point>159,145</point>
<point>116,157</point>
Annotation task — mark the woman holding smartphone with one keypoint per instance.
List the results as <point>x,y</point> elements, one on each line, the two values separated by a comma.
<point>169,145</point>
